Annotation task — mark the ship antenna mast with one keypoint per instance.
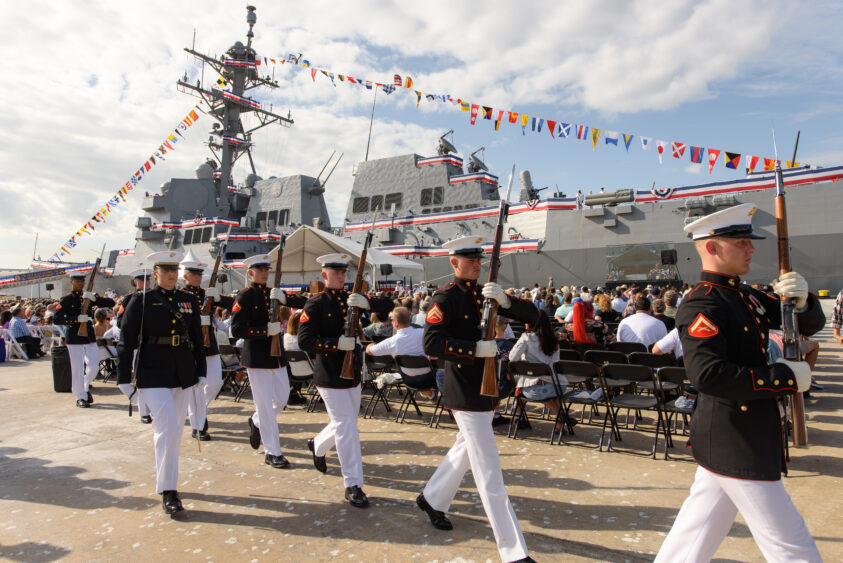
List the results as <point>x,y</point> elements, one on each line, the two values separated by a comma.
<point>227,101</point>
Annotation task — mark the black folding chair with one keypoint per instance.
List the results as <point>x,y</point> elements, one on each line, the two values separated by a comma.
<point>651,360</point>
<point>632,401</point>
<point>108,360</point>
<point>677,377</point>
<point>378,365</point>
<point>586,377</point>
<point>627,347</point>
<point>583,347</point>
<point>300,370</point>
<point>528,369</point>
<point>407,362</point>
<point>569,355</point>
<point>600,357</point>
<point>230,361</point>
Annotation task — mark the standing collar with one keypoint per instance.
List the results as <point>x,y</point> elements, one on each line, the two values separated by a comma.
<point>258,285</point>
<point>720,279</point>
<point>465,283</point>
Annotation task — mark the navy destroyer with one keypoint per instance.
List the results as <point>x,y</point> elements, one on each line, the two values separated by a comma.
<point>603,240</point>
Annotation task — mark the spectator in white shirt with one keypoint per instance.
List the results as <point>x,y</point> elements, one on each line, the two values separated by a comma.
<point>619,302</point>
<point>669,344</point>
<point>641,326</point>
<point>406,341</point>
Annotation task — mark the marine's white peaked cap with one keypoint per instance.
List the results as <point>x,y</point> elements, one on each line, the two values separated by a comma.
<point>734,222</point>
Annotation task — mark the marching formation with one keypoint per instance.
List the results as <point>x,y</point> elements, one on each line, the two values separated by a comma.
<point>168,362</point>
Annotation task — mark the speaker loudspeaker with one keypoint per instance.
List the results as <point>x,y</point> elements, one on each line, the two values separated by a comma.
<point>668,257</point>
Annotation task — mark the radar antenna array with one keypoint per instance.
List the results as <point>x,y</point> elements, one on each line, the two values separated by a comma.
<point>475,164</point>
<point>446,147</point>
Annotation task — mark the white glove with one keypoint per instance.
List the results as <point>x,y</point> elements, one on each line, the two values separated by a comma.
<point>212,292</point>
<point>273,328</point>
<point>205,320</point>
<point>83,318</point>
<point>202,380</point>
<point>128,389</point>
<point>494,291</point>
<point>90,296</point>
<point>486,349</point>
<point>346,343</point>
<point>794,286</point>
<point>801,370</point>
<point>278,294</point>
<point>358,300</point>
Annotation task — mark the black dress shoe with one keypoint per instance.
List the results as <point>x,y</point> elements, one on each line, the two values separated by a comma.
<point>356,497</point>
<point>90,398</point>
<point>527,559</point>
<point>296,399</point>
<point>82,404</point>
<point>254,435</point>
<point>276,461</point>
<point>205,426</point>
<point>498,420</point>
<point>437,517</point>
<point>172,502</point>
<point>318,460</point>
<point>146,419</point>
<point>203,436</point>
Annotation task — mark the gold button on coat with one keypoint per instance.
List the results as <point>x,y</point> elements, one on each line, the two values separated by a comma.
<point>744,408</point>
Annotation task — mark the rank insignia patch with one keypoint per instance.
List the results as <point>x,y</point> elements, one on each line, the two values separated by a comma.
<point>236,307</point>
<point>435,315</point>
<point>702,327</point>
<point>304,317</point>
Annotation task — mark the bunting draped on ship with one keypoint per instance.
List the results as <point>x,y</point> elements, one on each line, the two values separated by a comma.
<point>556,128</point>
<point>158,155</point>
<point>194,223</point>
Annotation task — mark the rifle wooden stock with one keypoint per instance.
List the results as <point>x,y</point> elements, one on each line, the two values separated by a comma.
<point>275,344</point>
<point>791,346</point>
<point>209,302</point>
<point>488,322</point>
<point>352,320</point>
<point>86,303</point>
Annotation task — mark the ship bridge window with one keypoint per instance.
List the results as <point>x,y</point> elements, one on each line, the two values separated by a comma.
<point>283,217</point>
<point>206,234</point>
<point>260,220</point>
<point>432,196</point>
<point>272,216</point>
<point>393,199</point>
<point>235,255</point>
<point>360,205</point>
<point>188,236</point>
<point>377,203</point>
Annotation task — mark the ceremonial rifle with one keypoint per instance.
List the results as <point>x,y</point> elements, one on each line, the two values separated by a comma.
<point>352,317</point>
<point>86,303</point>
<point>209,301</point>
<point>275,311</point>
<point>489,384</point>
<point>791,348</point>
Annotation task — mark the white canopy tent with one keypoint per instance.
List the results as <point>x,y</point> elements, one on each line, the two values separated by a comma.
<point>307,243</point>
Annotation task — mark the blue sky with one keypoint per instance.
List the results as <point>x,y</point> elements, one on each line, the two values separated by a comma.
<point>95,93</point>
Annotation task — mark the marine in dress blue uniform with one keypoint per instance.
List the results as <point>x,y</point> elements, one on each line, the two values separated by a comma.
<point>141,279</point>
<point>84,356</point>
<point>737,433</point>
<point>197,411</point>
<point>268,377</point>
<point>321,334</point>
<point>452,332</point>
<point>163,325</point>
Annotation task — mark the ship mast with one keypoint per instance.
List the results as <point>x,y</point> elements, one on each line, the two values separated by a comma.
<point>238,69</point>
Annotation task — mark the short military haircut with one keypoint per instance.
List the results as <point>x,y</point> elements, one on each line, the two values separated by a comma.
<point>642,303</point>
<point>401,315</point>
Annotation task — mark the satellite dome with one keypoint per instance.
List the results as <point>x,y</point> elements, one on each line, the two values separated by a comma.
<point>251,179</point>
<point>204,172</point>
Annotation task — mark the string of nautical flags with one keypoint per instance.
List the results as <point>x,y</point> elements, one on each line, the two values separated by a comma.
<point>556,128</point>
<point>159,155</point>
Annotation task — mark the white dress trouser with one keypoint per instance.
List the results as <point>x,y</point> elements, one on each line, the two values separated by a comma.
<point>206,393</point>
<point>270,391</point>
<point>710,509</point>
<point>475,447</point>
<point>168,408</point>
<point>84,365</point>
<point>343,406</point>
